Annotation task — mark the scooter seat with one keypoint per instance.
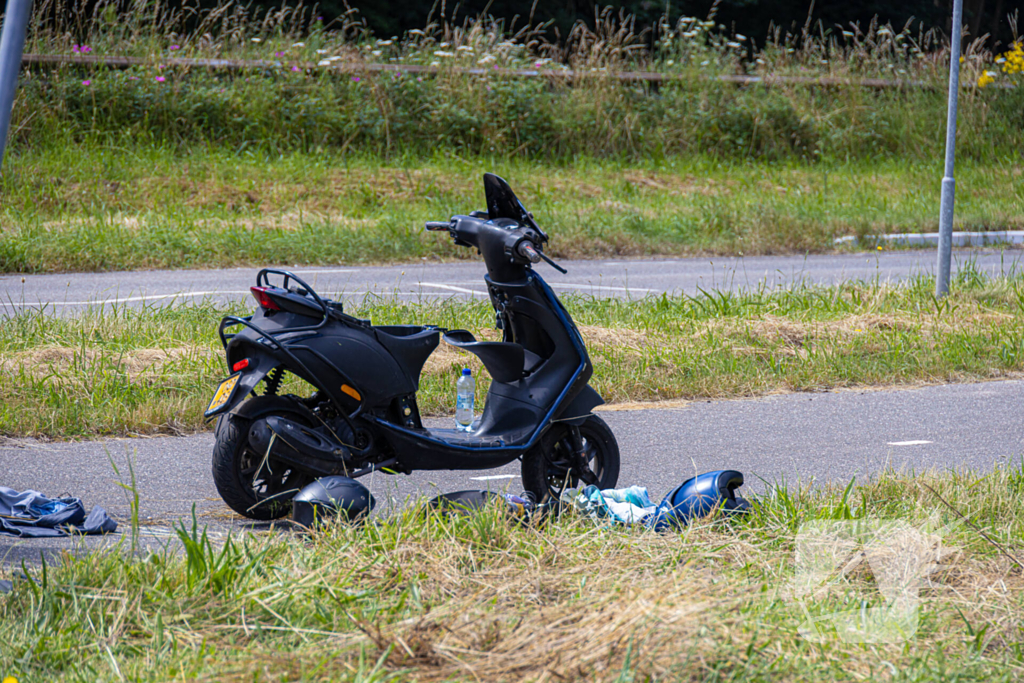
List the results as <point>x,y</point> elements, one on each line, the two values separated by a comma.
<point>409,344</point>
<point>504,361</point>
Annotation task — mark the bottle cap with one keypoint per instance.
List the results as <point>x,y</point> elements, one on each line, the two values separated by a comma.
<point>467,371</point>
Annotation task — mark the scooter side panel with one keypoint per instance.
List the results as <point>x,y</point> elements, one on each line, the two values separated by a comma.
<point>363,361</point>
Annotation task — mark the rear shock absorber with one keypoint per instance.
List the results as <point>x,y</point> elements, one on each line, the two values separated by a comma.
<point>273,381</point>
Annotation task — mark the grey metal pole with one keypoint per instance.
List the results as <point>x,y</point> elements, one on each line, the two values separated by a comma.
<point>12,43</point>
<point>948,184</point>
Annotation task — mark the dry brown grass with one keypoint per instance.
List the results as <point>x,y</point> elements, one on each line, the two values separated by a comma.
<point>64,363</point>
<point>585,605</point>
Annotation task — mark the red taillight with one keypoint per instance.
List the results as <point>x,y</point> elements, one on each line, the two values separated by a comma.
<point>263,299</point>
<point>240,365</point>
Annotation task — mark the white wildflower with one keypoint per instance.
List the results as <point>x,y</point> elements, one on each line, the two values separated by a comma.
<point>705,63</point>
<point>376,53</point>
<point>486,59</point>
<point>256,40</point>
<point>416,32</point>
<point>442,53</point>
<point>298,45</point>
<point>435,63</point>
<point>848,34</point>
<point>670,62</point>
<point>464,48</point>
<point>733,45</point>
<point>324,62</point>
<point>444,44</point>
<point>321,52</point>
<point>383,42</point>
<point>740,37</point>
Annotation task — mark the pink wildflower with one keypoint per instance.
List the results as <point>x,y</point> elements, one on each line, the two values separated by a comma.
<point>355,78</point>
<point>86,82</point>
<point>160,79</point>
<point>295,68</point>
<point>175,47</point>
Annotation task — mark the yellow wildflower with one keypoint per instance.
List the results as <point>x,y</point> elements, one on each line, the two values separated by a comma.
<point>985,78</point>
<point>1014,59</point>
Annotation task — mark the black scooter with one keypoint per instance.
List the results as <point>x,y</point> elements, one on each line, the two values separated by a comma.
<point>362,415</point>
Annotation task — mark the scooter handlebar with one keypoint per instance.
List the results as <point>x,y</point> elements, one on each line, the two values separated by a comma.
<point>437,226</point>
<point>527,251</point>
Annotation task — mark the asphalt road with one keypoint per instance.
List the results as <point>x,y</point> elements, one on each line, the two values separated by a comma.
<point>795,438</point>
<point>429,280</point>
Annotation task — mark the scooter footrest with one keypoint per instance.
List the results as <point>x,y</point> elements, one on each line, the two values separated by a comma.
<point>466,439</point>
<point>503,360</point>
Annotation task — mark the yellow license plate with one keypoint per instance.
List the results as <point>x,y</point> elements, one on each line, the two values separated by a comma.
<point>223,395</point>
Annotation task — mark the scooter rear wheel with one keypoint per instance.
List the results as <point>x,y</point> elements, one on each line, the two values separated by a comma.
<point>252,486</point>
<point>547,467</point>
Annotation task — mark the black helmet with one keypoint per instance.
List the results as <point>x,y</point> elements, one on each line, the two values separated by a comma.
<point>329,497</point>
<point>465,502</point>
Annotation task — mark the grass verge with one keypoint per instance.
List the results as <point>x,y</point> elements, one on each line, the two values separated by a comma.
<point>93,207</point>
<point>125,370</point>
<point>422,597</point>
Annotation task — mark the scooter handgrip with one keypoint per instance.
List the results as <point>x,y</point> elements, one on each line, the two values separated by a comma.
<point>435,226</point>
<point>527,251</point>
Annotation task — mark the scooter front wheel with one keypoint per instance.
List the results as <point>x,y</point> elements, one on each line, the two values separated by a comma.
<point>547,467</point>
<point>251,483</point>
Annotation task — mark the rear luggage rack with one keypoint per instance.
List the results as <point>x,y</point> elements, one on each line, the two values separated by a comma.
<point>309,298</point>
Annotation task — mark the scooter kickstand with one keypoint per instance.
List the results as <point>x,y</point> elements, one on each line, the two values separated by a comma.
<point>579,458</point>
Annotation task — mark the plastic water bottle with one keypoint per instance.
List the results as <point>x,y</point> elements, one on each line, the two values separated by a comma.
<point>465,392</point>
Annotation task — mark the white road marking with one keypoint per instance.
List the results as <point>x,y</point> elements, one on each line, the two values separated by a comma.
<point>124,299</point>
<point>452,288</point>
<point>908,443</point>
<point>495,476</point>
<point>574,285</point>
<point>314,272</point>
<point>144,297</point>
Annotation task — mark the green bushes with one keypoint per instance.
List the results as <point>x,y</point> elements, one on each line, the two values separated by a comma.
<point>395,114</point>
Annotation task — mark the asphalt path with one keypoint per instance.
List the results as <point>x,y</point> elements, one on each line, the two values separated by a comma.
<point>70,292</point>
<point>799,439</point>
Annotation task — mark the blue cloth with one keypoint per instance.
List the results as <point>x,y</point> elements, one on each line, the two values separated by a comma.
<point>627,506</point>
<point>695,497</point>
<point>30,514</point>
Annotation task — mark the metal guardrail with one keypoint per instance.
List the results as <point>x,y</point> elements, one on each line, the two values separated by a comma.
<point>362,68</point>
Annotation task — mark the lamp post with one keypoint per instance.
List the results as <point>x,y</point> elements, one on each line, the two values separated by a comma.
<point>12,42</point>
<point>948,184</point>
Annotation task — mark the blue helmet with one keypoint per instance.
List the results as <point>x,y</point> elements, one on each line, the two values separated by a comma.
<point>328,497</point>
<point>697,497</point>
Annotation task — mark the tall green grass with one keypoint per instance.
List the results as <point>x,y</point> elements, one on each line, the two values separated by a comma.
<point>305,103</point>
